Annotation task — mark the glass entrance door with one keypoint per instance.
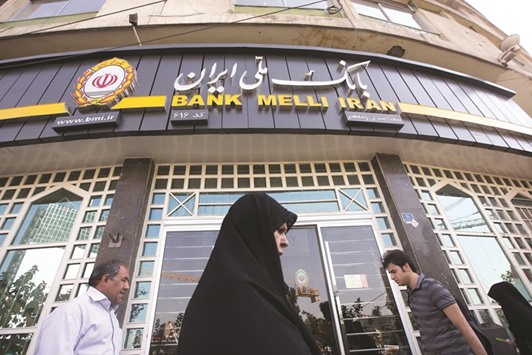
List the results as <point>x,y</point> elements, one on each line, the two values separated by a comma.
<point>335,279</point>
<point>342,292</point>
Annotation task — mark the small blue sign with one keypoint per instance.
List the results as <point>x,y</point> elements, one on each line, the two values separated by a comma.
<point>408,218</point>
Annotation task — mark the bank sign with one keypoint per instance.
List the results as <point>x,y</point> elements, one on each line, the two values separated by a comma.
<point>107,88</point>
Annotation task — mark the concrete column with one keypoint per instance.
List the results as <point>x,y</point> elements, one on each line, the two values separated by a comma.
<point>419,242</point>
<point>123,230</point>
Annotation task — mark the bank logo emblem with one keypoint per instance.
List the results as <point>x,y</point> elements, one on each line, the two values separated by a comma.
<point>105,84</point>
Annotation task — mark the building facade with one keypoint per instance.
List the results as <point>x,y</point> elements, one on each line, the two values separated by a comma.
<point>129,129</point>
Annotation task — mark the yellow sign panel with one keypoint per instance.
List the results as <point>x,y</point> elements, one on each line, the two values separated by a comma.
<point>34,111</point>
<point>420,110</point>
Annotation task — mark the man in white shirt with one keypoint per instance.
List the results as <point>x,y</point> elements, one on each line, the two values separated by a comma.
<point>88,325</point>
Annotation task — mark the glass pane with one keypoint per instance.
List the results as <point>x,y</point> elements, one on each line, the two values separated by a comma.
<point>369,314</point>
<point>94,250</point>
<point>82,289</point>
<point>25,279</point>
<point>156,214</point>
<point>15,343</point>
<point>99,232</point>
<point>104,216</point>
<point>490,263</point>
<point>369,9</point>
<point>143,289</point>
<point>382,223</point>
<point>277,3</point>
<point>401,17</point>
<point>461,210</point>
<point>146,268</point>
<point>185,257</point>
<point>474,296</point>
<point>377,207</point>
<point>88,270</point>
<point>465,277</point>
<point>138,313</point>
<point>64,293</point>
<point>72,271</point>
<point>389,240</point>
<point>95,201</point>
<point>84,233</point>
<point>108,200</point>
<point>308,4</point>
<point>152,231</point>
<point>40,9</point>
<point>455,257</point>
<point>49,219</point>
<point>447,240</point>
<point>134,338</point>
<point>150,249</point>
<point>78,252</point>
<point>158,199</point>
<point>89,217</point>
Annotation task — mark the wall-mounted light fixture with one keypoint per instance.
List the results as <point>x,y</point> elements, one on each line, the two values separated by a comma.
<point>510,47</point>
<point>134,21</point>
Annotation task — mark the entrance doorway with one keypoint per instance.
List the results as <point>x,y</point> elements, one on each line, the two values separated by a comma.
<point>335,279</point>
<point>342,291</point>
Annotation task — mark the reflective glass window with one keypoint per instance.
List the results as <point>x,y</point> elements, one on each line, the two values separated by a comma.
<point>50,219</point>
<point>461,210</point>
<point>25,279</point>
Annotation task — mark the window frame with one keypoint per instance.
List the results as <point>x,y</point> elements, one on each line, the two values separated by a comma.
<point>386,9</point>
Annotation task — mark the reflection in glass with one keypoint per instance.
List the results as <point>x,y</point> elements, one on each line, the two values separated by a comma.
<point>95,201</point>
<point>138,313</point>
<point>50,219</point>
<point>94,250</point>
<point>185,257</point>
<point>143,289</point>
<point>25,279</point>
<point>99,232</point>
<point>303,273</point>
<point>15,343</point>
<point>134,338</point>
<point>84,233</point>
<point>370,319</point>
<point>461,210</point>
<point>490,263</point>
<point>64,293</point>
<point>90,216</point>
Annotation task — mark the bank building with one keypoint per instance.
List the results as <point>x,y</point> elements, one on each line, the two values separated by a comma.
<point>128,128</point>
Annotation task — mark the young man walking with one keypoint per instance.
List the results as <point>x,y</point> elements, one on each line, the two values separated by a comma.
<point>442,325</point>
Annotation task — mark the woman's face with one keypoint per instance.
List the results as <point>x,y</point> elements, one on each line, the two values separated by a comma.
<point>280,238</point>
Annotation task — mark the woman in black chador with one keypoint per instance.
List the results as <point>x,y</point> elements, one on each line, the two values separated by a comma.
<point>240,305</point>
<point>518,313</point>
